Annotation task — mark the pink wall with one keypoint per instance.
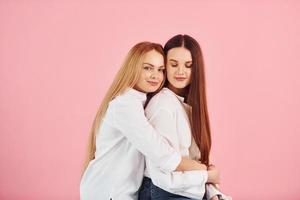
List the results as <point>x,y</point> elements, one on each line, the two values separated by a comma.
<point>57,59</point>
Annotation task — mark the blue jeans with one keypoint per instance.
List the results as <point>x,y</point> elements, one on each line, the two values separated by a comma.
<point>148,191</point>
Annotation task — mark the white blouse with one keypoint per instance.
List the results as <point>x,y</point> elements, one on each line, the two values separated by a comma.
<point>123,139</point>
<point>167,112</point>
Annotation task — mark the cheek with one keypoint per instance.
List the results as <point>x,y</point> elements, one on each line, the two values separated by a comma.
<point>170,72</point>
<point>161,76</point>
<point>189,74</point>
<point>139,82</point>
<point>144,75</point>
<point>169,76</point>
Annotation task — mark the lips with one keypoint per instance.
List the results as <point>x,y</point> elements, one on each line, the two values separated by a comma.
<point>179,78</point>
<point>153,83</point>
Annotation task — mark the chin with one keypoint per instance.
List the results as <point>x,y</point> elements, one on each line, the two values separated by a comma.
<point>153,90</point>
<point>180,86</point>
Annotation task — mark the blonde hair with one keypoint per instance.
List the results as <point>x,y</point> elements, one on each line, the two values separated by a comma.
<point>126,77</point>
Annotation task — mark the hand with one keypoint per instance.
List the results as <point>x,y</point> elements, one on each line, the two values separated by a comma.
<point>215,197</point>
<point>200,165</point>
<point>213,175</point>
<point>211,166</point>
<point>187,164</point>
<point>216,186</point>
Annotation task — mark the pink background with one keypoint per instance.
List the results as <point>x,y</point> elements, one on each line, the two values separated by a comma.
<point>57,58</point>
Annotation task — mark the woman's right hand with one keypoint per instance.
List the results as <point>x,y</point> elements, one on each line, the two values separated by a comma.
<point>213,175</point>
<point>187,164</point>
<point>201,166</point>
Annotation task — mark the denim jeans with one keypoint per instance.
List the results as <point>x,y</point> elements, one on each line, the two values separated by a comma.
<point>148,191</point>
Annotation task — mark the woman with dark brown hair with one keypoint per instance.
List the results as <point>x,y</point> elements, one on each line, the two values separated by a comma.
<point>179,112</point>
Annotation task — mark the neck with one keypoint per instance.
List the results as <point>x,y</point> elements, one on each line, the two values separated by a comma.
<point>138,89</point>
<point>179,91</point>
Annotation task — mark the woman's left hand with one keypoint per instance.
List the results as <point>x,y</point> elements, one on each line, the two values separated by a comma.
<point>211,166</point>
<point>215,198</point>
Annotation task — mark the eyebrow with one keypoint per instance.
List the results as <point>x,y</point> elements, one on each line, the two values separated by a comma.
<point>190,61</point>
<point>173,60</point>
<point>149,64</point>
<point>153,65</point>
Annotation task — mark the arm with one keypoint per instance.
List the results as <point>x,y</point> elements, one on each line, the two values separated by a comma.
<point>212,190</point>
<point>130,119</point>
<point>187,164</point>
<point>190,183</point>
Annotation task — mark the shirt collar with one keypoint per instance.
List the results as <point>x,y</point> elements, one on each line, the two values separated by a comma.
<point>140,95</point>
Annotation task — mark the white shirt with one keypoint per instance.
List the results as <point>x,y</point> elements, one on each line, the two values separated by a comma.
<point>124,136</point>
<point>167,112</point>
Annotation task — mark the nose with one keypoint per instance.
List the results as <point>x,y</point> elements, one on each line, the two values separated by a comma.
<point>154,75</point>
<point>180,70</point>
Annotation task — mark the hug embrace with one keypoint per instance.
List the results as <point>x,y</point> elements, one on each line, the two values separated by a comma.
<point>151,137</point>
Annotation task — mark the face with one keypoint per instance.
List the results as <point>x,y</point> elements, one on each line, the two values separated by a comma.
<point>179,67</point>
<point>152,74</point>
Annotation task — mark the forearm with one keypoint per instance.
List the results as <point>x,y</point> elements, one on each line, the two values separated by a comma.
<point>141,134</point>
<point>211,177</point>
<point>188,183</point>
<point>187,164</point>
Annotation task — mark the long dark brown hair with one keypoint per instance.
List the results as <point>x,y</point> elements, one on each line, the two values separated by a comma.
<point>195,94</point>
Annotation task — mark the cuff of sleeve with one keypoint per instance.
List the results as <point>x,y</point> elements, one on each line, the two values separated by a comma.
<point>172,163</point>
<point>196,178</point>
<point>205,175</point>
<point>211,191</point>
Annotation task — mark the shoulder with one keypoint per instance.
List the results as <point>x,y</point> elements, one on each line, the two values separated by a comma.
<point>164,99</point>
<point>126,103</point>
<point>125,99</point>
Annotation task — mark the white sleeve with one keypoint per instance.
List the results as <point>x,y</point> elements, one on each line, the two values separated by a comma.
<point>212,191</point>
<point>129,117</point>
<point>189,183</point>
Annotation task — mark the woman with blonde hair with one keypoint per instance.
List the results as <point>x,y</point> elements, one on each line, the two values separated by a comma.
<point>121,135</point>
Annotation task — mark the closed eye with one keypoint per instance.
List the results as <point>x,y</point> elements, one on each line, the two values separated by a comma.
<point>188,64</point>
<point>173,63</point>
